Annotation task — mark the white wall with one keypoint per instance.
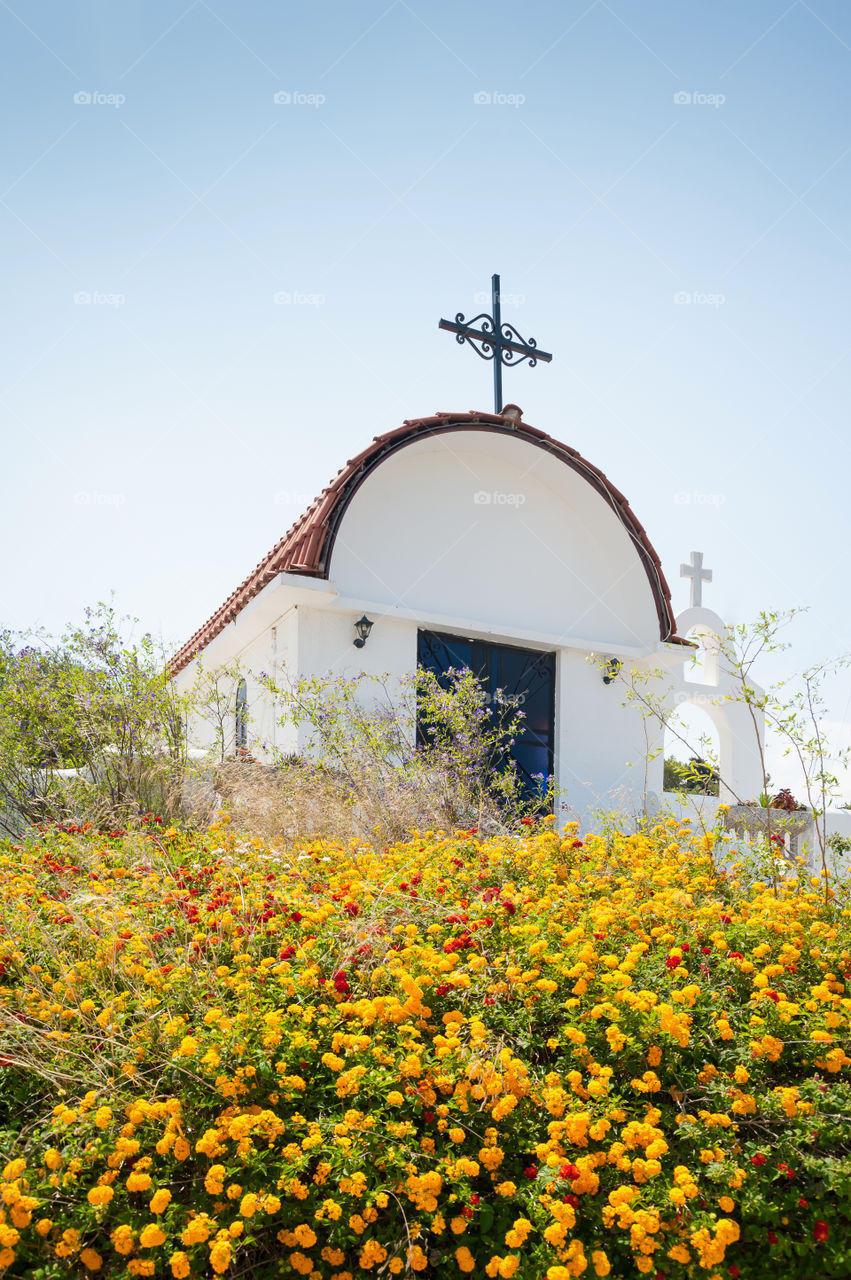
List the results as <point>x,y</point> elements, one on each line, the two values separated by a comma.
<point>602,744</point>
<point>544,553</point>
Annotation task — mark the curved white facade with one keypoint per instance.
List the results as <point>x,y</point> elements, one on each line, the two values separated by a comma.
<point>479,525</point>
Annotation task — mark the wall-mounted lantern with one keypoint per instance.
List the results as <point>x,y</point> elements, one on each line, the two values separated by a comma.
<point>612,670</point>
<point>363,626</point>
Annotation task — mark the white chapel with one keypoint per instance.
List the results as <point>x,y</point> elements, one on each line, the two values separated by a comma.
<point>467,539</point>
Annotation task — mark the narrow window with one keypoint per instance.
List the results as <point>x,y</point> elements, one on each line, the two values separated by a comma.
<point>241,716</point>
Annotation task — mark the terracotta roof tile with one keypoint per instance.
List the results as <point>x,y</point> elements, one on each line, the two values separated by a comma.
<point>306,546</point>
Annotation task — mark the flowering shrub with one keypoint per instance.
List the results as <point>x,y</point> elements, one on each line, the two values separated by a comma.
<point>531,1057</point>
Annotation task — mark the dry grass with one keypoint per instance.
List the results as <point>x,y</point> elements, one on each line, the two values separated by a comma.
<point>298,799</point>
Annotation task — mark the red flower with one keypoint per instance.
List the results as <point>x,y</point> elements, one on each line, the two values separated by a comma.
<point>475,1198</point>
<point>527,822</point>
<point>467,1212</point>
<point>531,1173</point>
<point>802,1203</point>
<point>673,962</point>
<point>573,1201</point>
<point>784,1168</point>
<point>569,1171</point>
<point>352,909</point>
<point>820,1231</point>
<point>509,907</point>
<point>758,1159</point>
<point>577,844</point>
<point>735,1272</point>
<point>772,1238</point>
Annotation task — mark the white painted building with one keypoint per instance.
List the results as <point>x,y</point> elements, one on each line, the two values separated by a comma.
<point>469,534</point>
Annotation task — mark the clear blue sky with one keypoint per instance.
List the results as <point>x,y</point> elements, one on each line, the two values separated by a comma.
<point>160,438</point>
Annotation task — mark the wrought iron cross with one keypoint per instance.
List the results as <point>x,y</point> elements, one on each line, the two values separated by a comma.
<point>698,575</point>
<point>496,341</point>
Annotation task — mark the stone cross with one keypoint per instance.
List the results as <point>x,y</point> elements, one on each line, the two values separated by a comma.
<point>698,575</point>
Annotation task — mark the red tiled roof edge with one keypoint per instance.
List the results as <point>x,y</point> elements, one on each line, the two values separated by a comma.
<point>306,546</point>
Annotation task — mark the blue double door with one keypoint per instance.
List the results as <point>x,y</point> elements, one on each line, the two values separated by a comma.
<point>526,680</point>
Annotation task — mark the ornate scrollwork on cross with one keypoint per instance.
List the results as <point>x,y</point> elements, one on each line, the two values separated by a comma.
<point>496,341</point>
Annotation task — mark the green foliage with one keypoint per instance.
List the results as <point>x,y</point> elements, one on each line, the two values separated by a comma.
<point>695,777</point>
<point>424,750</point>
<point>90,726</point>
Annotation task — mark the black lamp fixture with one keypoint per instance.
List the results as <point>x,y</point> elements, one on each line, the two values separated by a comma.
<point>612,670</point>
<point>363,626</point>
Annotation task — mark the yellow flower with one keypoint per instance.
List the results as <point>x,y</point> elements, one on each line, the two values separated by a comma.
<point>220,1254</point>
<point>151,1236</point>
<point>91,1260</point>
<point>160,1200</point>
<point>138,1182</point>
<point>516,1237</point>
<point>197,1231</point>
<point>179,1264</point>
<point>123,1240</point>
<point>100,1195</point>
<point>465,1259</point>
